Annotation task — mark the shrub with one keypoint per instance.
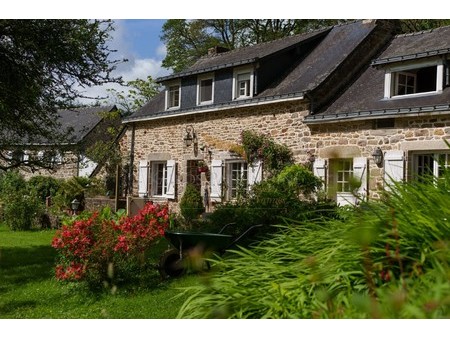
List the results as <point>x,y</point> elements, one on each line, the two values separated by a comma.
<point>383,260</point>
<point>44,186</point>
<point>106,247</point>
<point>21,206</point>
<point>287,195</point>
<point>191,204</point>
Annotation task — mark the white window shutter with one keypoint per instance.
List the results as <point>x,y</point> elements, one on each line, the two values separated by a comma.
<point>254,173</point>
<point>170,170</point>
<point>320,170</point>
<point>143,178</point>
<point>216,180</point>
<point>394,167</point>
<point>360,174</point>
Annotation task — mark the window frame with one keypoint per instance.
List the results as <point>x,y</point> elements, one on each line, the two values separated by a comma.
<point>434,156</point>
<point>200,79</point>
<point>392,74</point>
<point>154,172</point>
<point>168,99</point>
<point>232,192</point>
<point>239,72</point>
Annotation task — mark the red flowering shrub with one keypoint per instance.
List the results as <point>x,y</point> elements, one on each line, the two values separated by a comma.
<point>105,246</point>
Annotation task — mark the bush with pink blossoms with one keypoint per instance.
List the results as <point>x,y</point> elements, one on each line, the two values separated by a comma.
<point>109,248</point>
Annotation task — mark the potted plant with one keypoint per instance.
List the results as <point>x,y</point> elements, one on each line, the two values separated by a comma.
<point>202,167</point>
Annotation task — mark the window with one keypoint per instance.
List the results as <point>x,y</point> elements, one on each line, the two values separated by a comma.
<point>162,179</point>
<point>345,179</point>
<point>430,164</point>
<point>173,96</point>
<point>416,79</point>
<point>341,172</point>
<point>243,83</point>
<point>205,89</point>
<point>232,178</point>
<point>237,175</point>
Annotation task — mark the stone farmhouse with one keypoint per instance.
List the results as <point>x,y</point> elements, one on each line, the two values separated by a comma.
<point>351,101</point>
<point>83,127</point>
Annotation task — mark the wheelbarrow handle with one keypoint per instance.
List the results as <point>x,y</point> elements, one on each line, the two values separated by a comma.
<point>226,226</point>
<point>242,235</point>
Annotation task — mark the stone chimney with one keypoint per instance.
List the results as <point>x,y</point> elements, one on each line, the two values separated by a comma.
<point>217,50</point>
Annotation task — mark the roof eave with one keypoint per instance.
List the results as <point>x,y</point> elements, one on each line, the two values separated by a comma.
<point>224,106</point>
<point>408,57</point>
<point>374,114</point>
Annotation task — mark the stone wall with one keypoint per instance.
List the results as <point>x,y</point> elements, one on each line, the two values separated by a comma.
<point>219,131</point>
<point>361,138</point>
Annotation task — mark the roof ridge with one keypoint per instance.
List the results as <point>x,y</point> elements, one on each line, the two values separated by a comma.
<point>426,31</point>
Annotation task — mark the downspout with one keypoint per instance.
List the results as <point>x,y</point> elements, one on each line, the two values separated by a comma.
<point>311,102</point>
<point>131,177</point>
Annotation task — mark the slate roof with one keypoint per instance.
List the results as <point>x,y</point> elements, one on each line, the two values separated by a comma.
<point>336,44</point>
<point>416,45</point>
<point>365,97</point>
<point>245,55</point>
<point>79,122</point>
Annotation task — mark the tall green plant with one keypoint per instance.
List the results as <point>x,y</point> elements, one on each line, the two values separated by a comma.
<point>383,260</point>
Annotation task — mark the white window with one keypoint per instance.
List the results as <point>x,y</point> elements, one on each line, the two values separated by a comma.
<point>162,183</point>
<point>418,79</point>
<point>233,178</point>
<point>205,89</point>
<point>237,179</point>
<point>430,164</point>
<point>344,179</point>
<point>173,95</point>
<point>243,83</point>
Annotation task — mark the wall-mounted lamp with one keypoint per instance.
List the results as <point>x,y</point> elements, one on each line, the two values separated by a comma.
<point>75,204</point>
<point>377,156</point>
<point>190,136</point>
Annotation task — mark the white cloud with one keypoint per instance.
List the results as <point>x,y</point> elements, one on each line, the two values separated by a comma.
<point>134,68</point>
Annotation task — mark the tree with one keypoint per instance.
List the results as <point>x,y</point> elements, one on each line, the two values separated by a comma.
<point>45,64</point>
<point>140,92</point>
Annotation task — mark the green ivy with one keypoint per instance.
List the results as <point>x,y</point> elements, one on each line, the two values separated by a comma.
<point>261,147</point>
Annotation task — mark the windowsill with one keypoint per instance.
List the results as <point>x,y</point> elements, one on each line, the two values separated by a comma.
<point>205,103</point>
<point>242,98</point>
<point>173,108</point>
<point>409,96</point>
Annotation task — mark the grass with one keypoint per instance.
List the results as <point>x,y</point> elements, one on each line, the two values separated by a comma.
<point>28,289</point>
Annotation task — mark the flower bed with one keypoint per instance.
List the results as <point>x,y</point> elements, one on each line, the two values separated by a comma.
<point>99,247</point>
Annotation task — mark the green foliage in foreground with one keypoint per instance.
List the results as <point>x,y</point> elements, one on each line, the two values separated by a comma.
<point>29,290</point>
<point>384,260</point>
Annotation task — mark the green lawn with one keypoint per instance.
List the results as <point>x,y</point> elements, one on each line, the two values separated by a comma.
<point>29,290</point>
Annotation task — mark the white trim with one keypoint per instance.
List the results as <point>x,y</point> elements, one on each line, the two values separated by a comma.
<point>391,78</point>
<point>167,97</point>
<point>200,78</point>
<point>216,180</point>
<point>240,71</point>
<point>143,178</point>
<point>170,185</point>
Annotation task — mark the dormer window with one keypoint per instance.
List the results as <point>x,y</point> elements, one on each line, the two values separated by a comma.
<point>205,89</point>
<point>243,83</point>
<point>173,96</point>
<point>414,80</point>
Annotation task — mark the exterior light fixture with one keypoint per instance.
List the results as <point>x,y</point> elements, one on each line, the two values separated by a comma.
<point>75,205</point>
<point>190,136</point>
<point>377,156</point>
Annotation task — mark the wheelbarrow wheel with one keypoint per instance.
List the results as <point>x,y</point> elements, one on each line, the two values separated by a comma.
<point>170,264</point>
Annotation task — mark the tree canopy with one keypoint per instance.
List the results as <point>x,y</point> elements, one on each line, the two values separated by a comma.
<point>45,65</point>
<point>188,40</point>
